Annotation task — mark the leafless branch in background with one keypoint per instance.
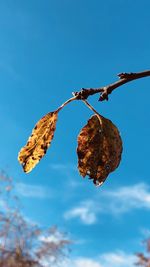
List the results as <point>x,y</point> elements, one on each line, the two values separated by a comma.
<point>23,244</point>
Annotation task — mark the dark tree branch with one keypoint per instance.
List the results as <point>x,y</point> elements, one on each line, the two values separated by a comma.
<point>106,90</point>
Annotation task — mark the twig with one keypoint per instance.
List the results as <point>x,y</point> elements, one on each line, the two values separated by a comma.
<point>66,103</point>
<point>90,107</point>
<point>106,90</point>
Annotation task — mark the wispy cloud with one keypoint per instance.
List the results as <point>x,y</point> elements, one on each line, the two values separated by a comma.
<point>115,259</point>
<point>82,262</point>
<point>55,236</point>
<point>84,212</point>
<point>113,202</point>
<point>127,198</point>
<point>32,191</point>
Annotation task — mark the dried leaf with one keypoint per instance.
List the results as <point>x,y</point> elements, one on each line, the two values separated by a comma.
<point>99,149</point>
<point>38,142</point>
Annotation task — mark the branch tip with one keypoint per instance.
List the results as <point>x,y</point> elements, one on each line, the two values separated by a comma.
<point>124,77</point>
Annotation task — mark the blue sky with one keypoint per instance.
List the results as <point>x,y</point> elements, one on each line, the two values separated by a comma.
<point>47,50</point>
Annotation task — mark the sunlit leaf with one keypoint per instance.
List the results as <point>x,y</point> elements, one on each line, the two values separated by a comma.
<point>38,142</point>
<point>99,149</point>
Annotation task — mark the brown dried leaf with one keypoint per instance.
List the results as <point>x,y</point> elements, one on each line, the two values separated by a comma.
<point>38,142</point>
<point>99,149</point>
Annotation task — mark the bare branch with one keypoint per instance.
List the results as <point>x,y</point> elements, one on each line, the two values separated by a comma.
<point>106,90</point>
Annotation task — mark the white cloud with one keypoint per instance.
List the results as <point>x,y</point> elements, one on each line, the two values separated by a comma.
<point>55,236</point>
<point>110,259</point>
<point>33,191</point>
<point>78,262</point>
<point>117,259</point>
<point>82,262</point>
<point>113,202</point>
<point>84,212</point>
<point>126,198</point>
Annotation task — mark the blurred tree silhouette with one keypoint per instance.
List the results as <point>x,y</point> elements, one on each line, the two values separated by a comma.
<point>22,243</point>
<point>144,258</point>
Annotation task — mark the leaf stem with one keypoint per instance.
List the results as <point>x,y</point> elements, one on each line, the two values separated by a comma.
<point>66,103</point>
<point>90,107</point>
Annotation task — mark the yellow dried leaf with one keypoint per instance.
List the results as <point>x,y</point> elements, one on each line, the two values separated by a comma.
<point>38,142</point>
<point>99,149</point>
